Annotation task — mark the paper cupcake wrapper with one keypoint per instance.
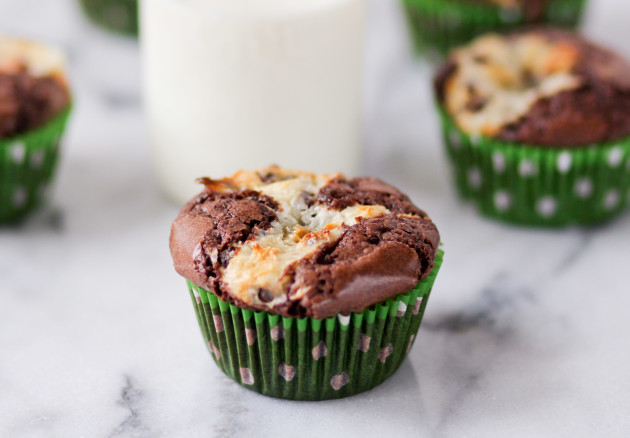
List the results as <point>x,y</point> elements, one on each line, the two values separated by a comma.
<point>119,16</point>
<point>307,358</point>
<point>444,24</point>
<point>27,166</point>
<point>531,185</point>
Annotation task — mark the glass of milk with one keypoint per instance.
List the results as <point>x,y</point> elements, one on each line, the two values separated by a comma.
<point>233,84</point>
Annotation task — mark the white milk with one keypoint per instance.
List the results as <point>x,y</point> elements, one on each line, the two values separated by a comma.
<point>233,84</point>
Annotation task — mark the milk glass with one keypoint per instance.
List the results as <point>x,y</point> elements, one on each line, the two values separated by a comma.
<point>233,84</point>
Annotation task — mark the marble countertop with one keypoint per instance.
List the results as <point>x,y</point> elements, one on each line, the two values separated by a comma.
<point>524,335</point>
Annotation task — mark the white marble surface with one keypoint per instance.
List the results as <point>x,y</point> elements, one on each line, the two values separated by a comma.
<point>524,335</point>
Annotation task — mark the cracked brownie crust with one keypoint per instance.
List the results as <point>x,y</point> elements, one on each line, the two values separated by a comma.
<point>33,87</point>
<point>299,244</point>
<point>543,87</point>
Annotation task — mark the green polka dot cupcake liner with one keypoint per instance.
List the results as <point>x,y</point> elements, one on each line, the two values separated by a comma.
<point>120,16</point>
<point>307,358</point>
<point>537,186</point>
<point>27,167</point>
<point>440,25</point>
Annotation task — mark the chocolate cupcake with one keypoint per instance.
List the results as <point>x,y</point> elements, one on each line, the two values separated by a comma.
<point>34,107</point>
<point>537,126</point>
<point>306,287</point>
<point>445,24</point>
<point>120,16</point>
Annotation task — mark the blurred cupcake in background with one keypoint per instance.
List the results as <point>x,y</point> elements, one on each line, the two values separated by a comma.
<point>34,107</point>
<point>444,24</point>
<point>119,16</point>
<point>537,126</point>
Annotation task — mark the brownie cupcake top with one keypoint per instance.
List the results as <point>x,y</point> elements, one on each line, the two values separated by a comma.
<point>300,244</point>
<point>542,87</point>
<point>33,86</point>
<point>531,11</point>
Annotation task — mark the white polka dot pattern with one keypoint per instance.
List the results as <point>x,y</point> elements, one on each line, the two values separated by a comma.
<point>250,335</point>
<point>538,186</point>
<point>277,332</point>
<point>416,307</point>
<point>527,168</point>
<point>344,319</point>
<point>385,353</point>
<point>214,350</point>
<point>320,350</point>
<point>502,200</point>
<point>584,188</point>
<point>615,157</point>
<point>564,162</point>
<point>612,199</point>
<point>547,206</point>
<point>218,323</point>
<point>364,343</point>
<point>317,359</point>
<point>18,152</point>
<point>37,159</point>
<point>27,163</point>
<point>474,178</point>
<point>498,162</point>
<point>246,376</point>
<point>402,309</point>
<point>287,372</point>
<point>339,381</point>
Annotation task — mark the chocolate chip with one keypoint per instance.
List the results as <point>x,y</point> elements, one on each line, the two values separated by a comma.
<point>268,177</point>
<point>265,295</point>
<point>308,198</point>
<point>29,101</point>
<point>224,258</point>
<point>476,104</point>
<point>528,78</point>
<point>374,240</point>
<point>325,259</point>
